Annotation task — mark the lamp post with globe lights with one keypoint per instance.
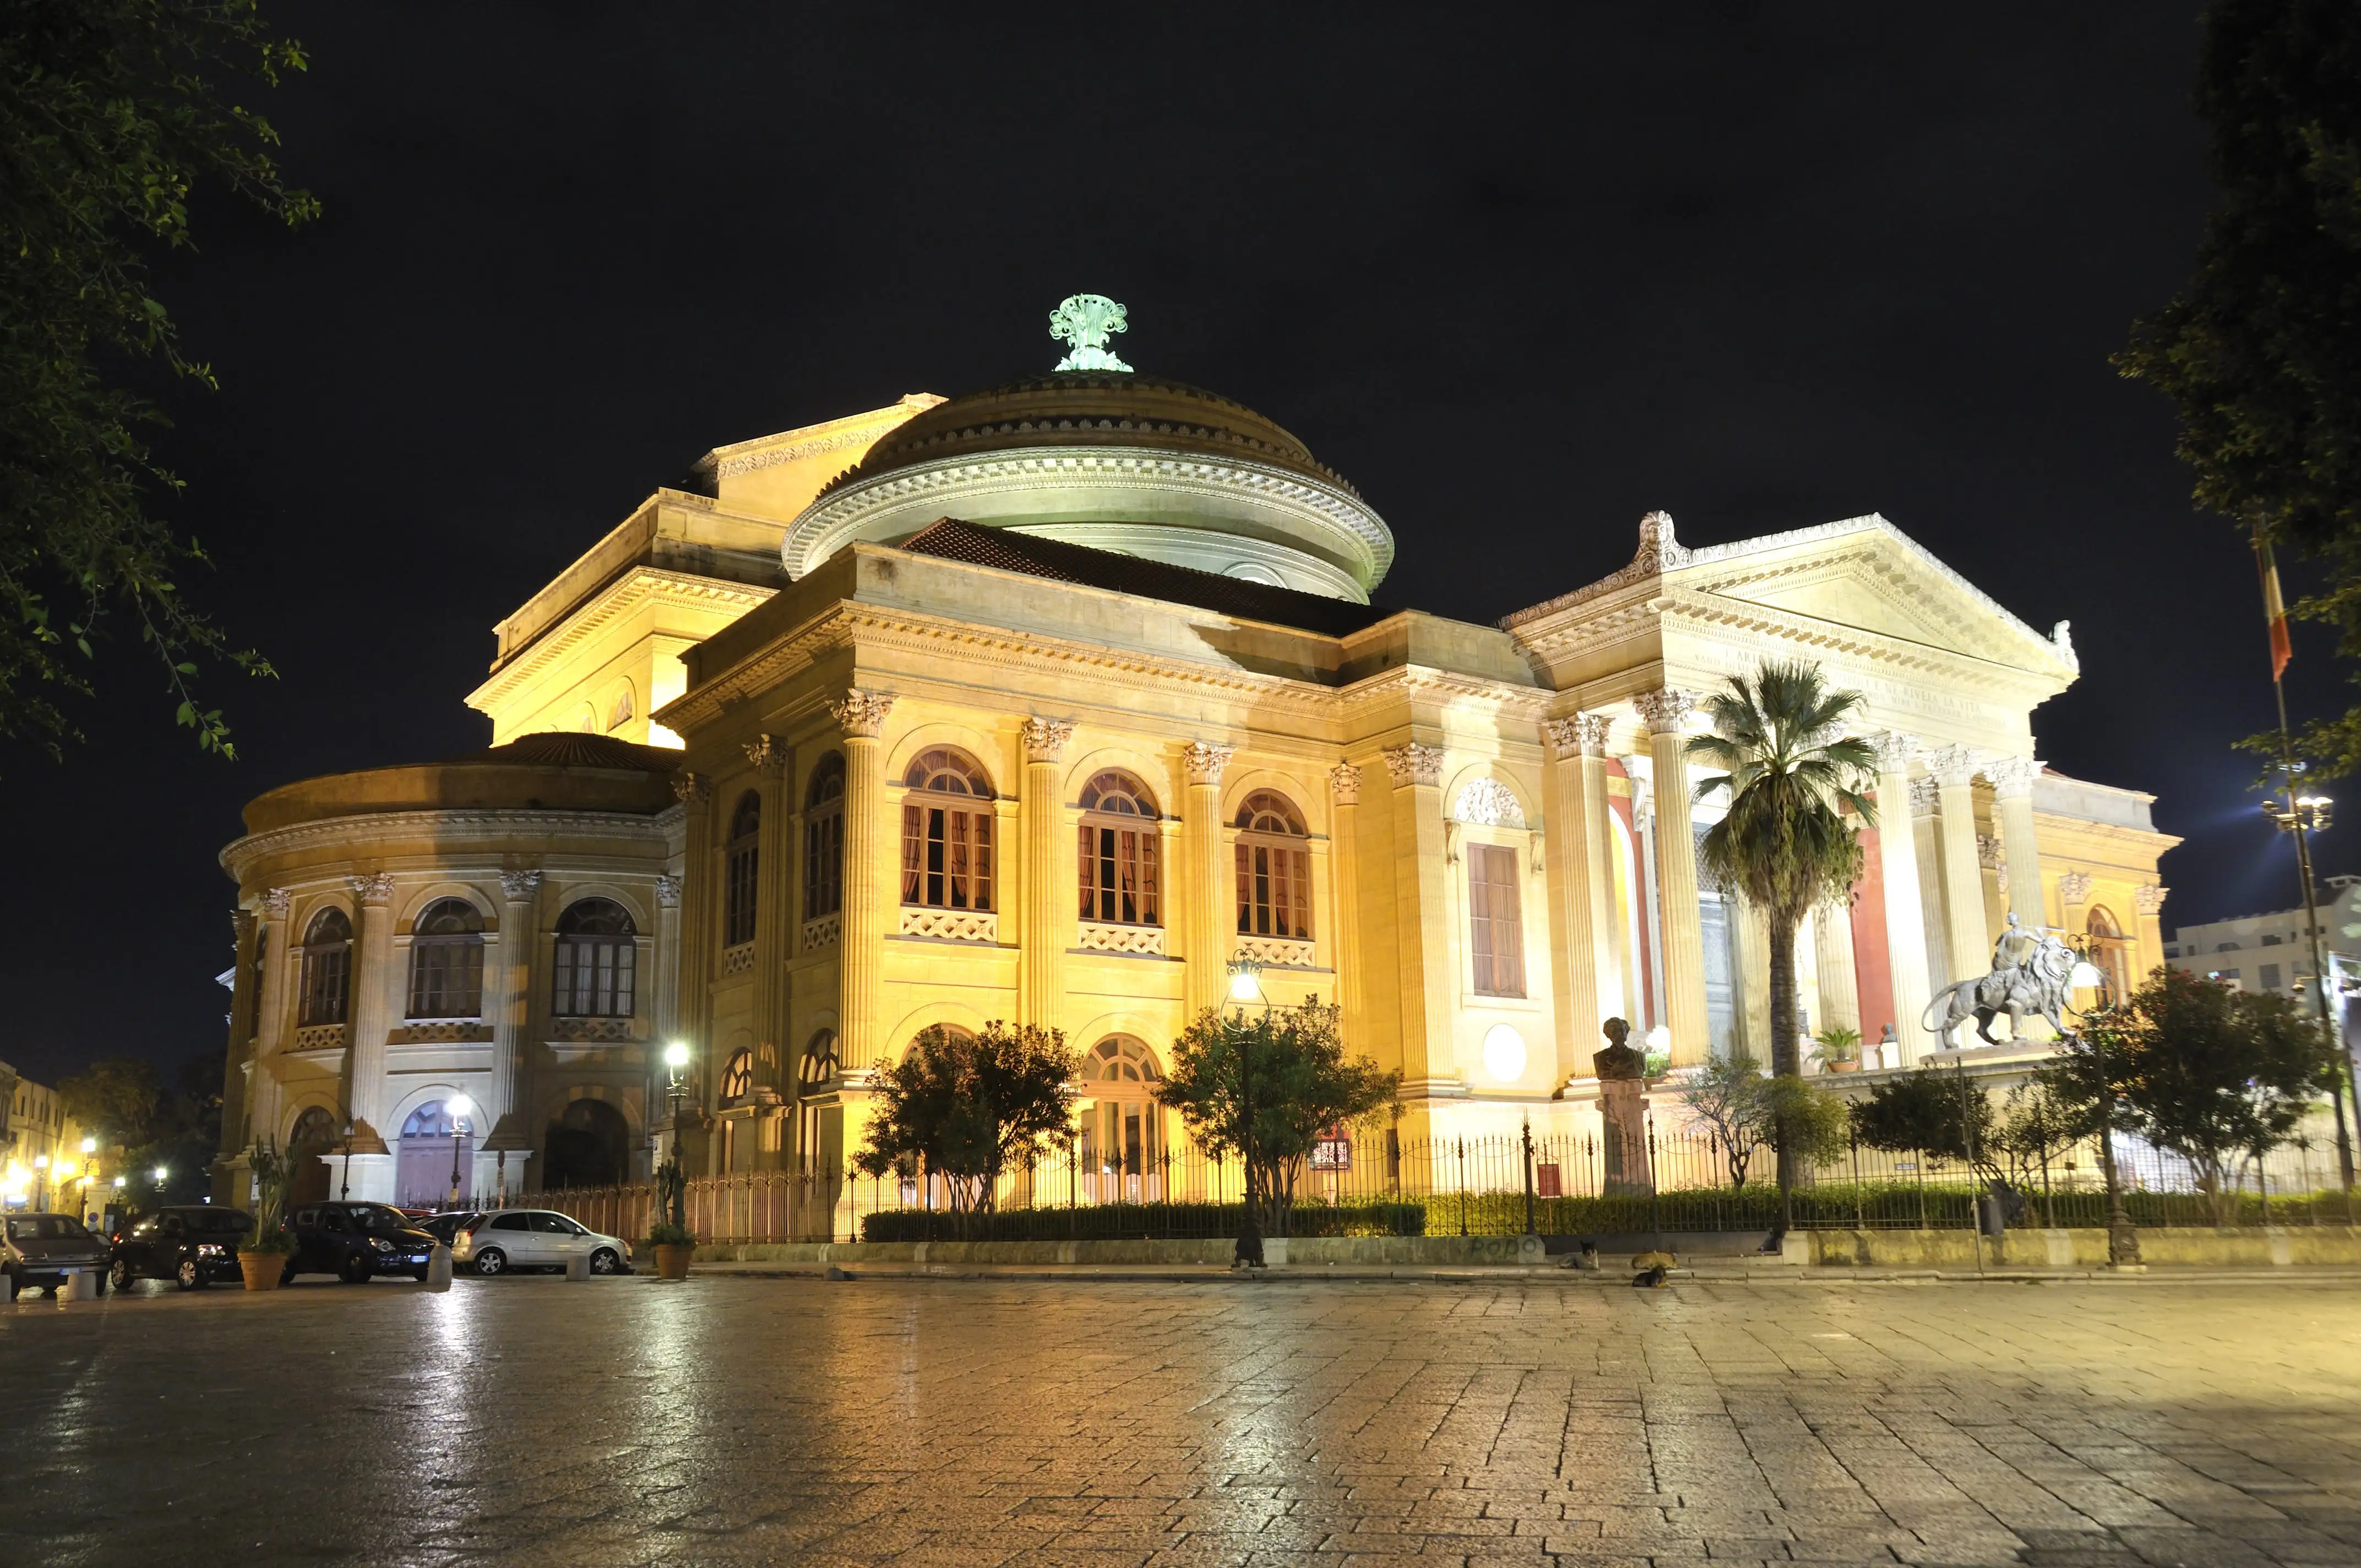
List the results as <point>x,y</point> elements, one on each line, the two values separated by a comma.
<point>2122,1239</point>
<point>1245,985</point>
<point>2302,816</point>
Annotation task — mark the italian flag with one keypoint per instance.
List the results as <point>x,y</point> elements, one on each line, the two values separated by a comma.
<point>2274,607</point>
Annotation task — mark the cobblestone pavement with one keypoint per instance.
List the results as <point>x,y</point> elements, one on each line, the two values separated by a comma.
<point>726,1421</point>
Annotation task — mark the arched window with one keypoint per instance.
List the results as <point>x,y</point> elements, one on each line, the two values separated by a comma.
<point>1122,1130</point>
<point>824,839</point>
<point>595,961</point>
<point>433,1119</point>
<point>1274,869</point>
<point>328,968</point>
<point>947,834</point>
<point>1119,1060</point>
<point>446,961</point>
<point>1117,856</point>
<point>819,1125</point>
<point>737,1077</point>
<point>742,859</point>
<point>2110,950</point>
<point>818,1069</point>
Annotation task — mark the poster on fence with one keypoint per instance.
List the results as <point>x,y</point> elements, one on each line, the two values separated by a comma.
<point>1545,1181</point>
<point>1332,1150</point>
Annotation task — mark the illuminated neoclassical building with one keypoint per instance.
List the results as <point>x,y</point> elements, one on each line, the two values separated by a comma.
<point>1045,703</point>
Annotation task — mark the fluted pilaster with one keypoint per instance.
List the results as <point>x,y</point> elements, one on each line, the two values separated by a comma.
<point>1667,714</point>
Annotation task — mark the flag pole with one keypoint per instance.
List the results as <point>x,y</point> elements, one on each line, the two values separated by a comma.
<point>2282,649</point>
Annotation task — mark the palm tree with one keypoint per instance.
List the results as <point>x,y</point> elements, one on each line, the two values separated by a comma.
<point>1783,845</point>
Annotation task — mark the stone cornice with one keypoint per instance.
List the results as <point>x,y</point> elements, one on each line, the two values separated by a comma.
<point>624,594</point>
<point>459,829</point>
<point>1355,532</point>
<point>1410,683</point>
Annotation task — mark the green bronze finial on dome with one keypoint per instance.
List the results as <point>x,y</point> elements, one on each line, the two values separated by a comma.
<point>1087,321</point>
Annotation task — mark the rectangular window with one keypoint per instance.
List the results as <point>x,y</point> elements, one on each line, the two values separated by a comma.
<point>324,992</point>
<point>738,910</point>
<point>1496,924</point>
<point>1117,868</point>
<point>824,865</point>
<point>2270,977</point>
<point>1274,890</point>
<point>945,857</point>
<point>446,979</point>
<point>592,977</point>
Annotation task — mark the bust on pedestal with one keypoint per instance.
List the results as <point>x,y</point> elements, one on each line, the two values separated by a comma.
<point>1621,1069</point>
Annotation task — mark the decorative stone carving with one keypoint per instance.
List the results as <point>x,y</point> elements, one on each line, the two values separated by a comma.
<point>1666,712</point>
<point>1924,795</point>
<point>1955,765</point>
<point>1345,783</point>
<point>2061,636</point>
<point>465,1031</point>
<point>824,932</point>
<point>1988,851</point>
<point>1045,739</point>
<point>374,892</point>
<point>1660,549</point>
<point>2149,898</point>
<point>2074,887</point>
<point>1894,751</point>
<point>1087,321</point>
<point>668,891</point>
<point>738,960</point>
<point>1488,803</point>
<point>769,755</point>
<point>1206,761</point>
<point>519,888</point>
<point>692,789</point>
<point>1583,734</point>
<point>277,901</point>
<point>1414,765</point>
<point>1145,940</point>
<point>862,714</point>
<point>950,924</point>
<point>1276,952</point>
<point>319,1037</point>
<point>2011,777</point>
<point>565,1031</point>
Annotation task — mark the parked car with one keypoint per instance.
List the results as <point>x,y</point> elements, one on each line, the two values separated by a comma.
<point>192,1246</point>
<point>355,1242</point>
<point>510,1239</point>
<point>41,1252</point>
<point>445,1226</point>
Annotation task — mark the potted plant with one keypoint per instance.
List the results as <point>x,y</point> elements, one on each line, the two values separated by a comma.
<point>670,1237</point>
<point>262,1257</point>
<point>1838,1049</point>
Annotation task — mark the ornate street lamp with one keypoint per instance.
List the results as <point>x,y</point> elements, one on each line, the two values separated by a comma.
<point>2302,816</point>
<point>345,1185</point>
<point>676,1059</point>
<point>457,1110</point>
<point>1245,985</point>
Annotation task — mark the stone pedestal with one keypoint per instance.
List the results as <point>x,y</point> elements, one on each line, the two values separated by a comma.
<point>1623,1109</point>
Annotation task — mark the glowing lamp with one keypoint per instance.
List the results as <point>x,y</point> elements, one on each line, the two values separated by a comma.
<point>2086,976</point>
<point>118,1181</point>
<point>676,1055</point>
<point>89,1145</point>
<point>160,1174</point>
<point>41,1162</point>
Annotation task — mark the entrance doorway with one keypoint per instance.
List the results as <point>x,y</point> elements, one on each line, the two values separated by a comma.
<point>307,1156</point>
<point>422,1166</point>
<point>1123,1136</point>
<point>590,1145</point>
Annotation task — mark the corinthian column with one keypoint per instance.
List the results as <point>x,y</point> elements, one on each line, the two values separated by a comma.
<point>1344,940</point>
<point>270,1035</point>
<point>868,871</point>
<point>774,868</point>
<point>1905,923</point>
<point>509,994</point>
<point>1833,977</point>
<point>2012,779</point>
<point>1577,879</point>
<point>695,792</point>
<point>1424,979</point>
<point>1963,876</point>
<point>1207,902</point>
<point>1667,714</point>
<point>1048,902</point>
<point>375,986</point>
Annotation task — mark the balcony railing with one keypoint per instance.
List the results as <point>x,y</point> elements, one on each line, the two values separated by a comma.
<point>950,924</point>
<point>1096,937</point>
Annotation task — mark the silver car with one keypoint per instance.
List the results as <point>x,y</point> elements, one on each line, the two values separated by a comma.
<point>43,1251</point>
<point>509,1239</point>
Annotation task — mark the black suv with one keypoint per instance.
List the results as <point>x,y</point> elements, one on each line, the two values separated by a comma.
<point>192,1246</point>
<point>355,1242</point>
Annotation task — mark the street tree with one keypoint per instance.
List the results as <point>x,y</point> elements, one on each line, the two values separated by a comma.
<point>1725,1097</point>
<point>112,114</point>
<point>1302,1085</point>
<point>115,1098</point>
<point>1784,843</point>
<point>969,1108</point>
<point>2216,1075</point>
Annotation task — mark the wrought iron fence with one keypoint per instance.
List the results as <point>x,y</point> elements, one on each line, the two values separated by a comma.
<point>1378,1183</point>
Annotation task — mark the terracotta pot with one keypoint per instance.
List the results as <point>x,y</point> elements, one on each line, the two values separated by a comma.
<point>672,1261</point>
<point>1844,1067</point>
<point>261,1268</point>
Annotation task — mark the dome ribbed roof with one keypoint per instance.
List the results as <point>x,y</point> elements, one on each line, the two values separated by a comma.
<point>1089,409</point>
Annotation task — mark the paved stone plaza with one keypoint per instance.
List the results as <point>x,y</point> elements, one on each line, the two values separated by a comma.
<point>743,1420</point>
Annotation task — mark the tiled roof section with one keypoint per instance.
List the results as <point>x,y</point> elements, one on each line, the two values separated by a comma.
<point>1006,550</point>
<point>571,749</point>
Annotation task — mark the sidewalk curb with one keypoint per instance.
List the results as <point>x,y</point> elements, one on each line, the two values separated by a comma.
<point>1617,1279</point>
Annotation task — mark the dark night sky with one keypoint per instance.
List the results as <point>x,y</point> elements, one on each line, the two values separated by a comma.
<point>1519,276</point>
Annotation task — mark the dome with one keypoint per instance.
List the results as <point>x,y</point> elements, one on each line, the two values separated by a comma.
<point>559,771</point>
<point>1136,463</point>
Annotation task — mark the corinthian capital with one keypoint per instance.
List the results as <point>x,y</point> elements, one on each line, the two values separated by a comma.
<point>1414,765</point>
<point>2149,898</point>
<point>1894,751</point>
<point>1045,739</point>
<point>2011,777</point>
<point>1206,761</point>
<point>769,755</point>
<point>519,888</point>
<point>1924,794</point>
<point>1583,734</point>
<point>1345,783</point>
<point>1666,712</point>
<point>1954,765</point>
<point>693,789</point>
<point>277,901</point>
<point>372,891</point>
<point>668,891</point>
<point>862,714</point>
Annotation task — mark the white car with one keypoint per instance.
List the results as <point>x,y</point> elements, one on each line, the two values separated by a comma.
<point>505,1239</point>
